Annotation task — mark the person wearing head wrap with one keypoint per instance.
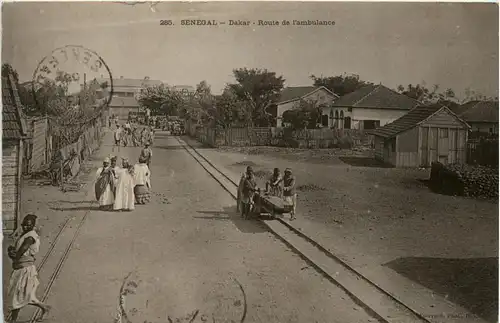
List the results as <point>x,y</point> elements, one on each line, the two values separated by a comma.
<point>248,192</point>
<point>289,193</point>
<point>147,153</point>
<point>105,185</point>
<point>142,180</point>
<point>124,198</point>
<point>275,183</point>
<point>24,278</point>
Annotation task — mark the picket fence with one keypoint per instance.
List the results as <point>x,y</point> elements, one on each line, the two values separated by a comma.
<point>280,137</point>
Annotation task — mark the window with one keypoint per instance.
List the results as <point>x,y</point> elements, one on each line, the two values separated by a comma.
<point>347,123</point>
<point>393,145</point>
<point>443,133</point>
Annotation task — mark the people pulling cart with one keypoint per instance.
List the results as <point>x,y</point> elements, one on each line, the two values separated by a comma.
<point>278,198</point>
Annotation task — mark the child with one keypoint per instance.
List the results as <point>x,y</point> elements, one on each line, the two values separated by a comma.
<point>24,279</point>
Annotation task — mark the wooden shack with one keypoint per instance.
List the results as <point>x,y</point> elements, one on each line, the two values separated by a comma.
<point>13,134</point>
<point>424,135</point>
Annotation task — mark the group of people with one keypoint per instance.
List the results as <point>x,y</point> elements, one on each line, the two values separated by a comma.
<point>133,135</point>
<point>282,187</point>
<point>120,188</point>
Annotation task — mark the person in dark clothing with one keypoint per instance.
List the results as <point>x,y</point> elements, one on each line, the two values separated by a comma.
<point>248,192</point>
<point>289,192</point>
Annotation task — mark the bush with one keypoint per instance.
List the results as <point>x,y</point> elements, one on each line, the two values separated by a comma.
<point>465,180</point>
<point>346,142</point>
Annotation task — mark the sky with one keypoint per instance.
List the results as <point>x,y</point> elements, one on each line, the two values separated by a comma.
<point>454,45</point>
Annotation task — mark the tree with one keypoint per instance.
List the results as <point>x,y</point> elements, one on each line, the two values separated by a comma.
<point>341,84</point>
<point>259,88</point>
<point>160,99</point>
<point>306,115</point>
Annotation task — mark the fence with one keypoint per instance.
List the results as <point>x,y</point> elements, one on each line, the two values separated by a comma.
<point>483,152</point>
<point>59,150</point>
<point>281,137</point>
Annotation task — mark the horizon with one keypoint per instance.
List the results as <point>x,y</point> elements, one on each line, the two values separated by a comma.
<point>387,43</point>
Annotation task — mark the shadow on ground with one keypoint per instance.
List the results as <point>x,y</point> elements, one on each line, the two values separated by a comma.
<point>77,208</point>
<point>365,162</point>
<point>471,283</point>
<point>230,214</point>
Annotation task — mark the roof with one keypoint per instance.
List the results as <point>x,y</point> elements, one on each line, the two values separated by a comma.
<point>478,111</point>
<point>409,120</point>
<point>376,97</point>
<point>13,126</point>
<point>123,102</point>
<point>293,93</point>
<point>129,83</point>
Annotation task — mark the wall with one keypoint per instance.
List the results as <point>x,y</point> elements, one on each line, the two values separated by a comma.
<point>320,97</point>
<point>385,116</point>
<point>39,153</point>
<point>484,127</point>
<point>407,148</point>
<point>10,184</point>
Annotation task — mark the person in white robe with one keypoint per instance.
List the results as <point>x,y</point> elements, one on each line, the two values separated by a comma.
<point>24,278</point>
<point>142,177</point>
<point>105,185</point>
<point>125,199</point>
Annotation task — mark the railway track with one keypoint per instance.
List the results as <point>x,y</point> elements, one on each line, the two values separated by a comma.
<point>62,244</point>
<point>375,300</point>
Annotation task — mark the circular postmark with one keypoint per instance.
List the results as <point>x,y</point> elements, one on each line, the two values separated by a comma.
<point>145,299</point>
<point>72,75</point>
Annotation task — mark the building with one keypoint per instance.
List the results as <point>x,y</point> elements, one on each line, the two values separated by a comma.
<point>124,93</point>
<point>13,135</point>
<point>369,107</point>
<point>290,98</point>
<point>424,135</point>
<point>482,116</point>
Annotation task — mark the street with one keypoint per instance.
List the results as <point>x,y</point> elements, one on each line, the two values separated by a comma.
<point>187,254</point>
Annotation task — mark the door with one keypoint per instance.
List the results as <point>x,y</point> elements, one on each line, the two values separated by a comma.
<point>443,146</point>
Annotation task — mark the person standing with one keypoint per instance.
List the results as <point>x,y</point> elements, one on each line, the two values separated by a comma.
<point>125,199</point>
<point>105,185</point>
<point>24,278</point>
<point>248,192</point>
<point>147,154</point>
<point>274,184</point>
<point>289,193</point>
<point>142,179</point>
<point>117,136</point>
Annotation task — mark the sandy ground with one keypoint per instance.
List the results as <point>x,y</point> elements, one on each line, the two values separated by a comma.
<point>186,253</point>
<point>376,216</point>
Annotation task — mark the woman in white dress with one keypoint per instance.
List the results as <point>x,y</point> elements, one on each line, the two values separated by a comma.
<point>105,185</point>
<point>24,278</point>
<point>125,199</point>
<point>142,176</point>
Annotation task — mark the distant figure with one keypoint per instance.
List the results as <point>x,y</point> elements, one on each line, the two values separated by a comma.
<point>248,192</point>
<point>142,178</point>
<point>105,185</point>
<point>117,136</point>
<point>24,278</point>
<point>147,154</point>
<point>274,184</point>
<point>289,193</point>
<point>125,199</point>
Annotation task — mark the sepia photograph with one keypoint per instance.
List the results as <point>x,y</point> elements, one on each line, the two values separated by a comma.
<point>250,162</point>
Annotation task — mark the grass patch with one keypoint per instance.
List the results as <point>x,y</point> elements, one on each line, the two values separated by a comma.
<point>310,188</point>
<point>245,163</point>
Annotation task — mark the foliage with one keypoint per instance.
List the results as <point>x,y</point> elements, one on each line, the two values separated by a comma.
<point>258,88</point>
<point>341,84</point>
<point>160,99</point>
<point>306,115</point>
